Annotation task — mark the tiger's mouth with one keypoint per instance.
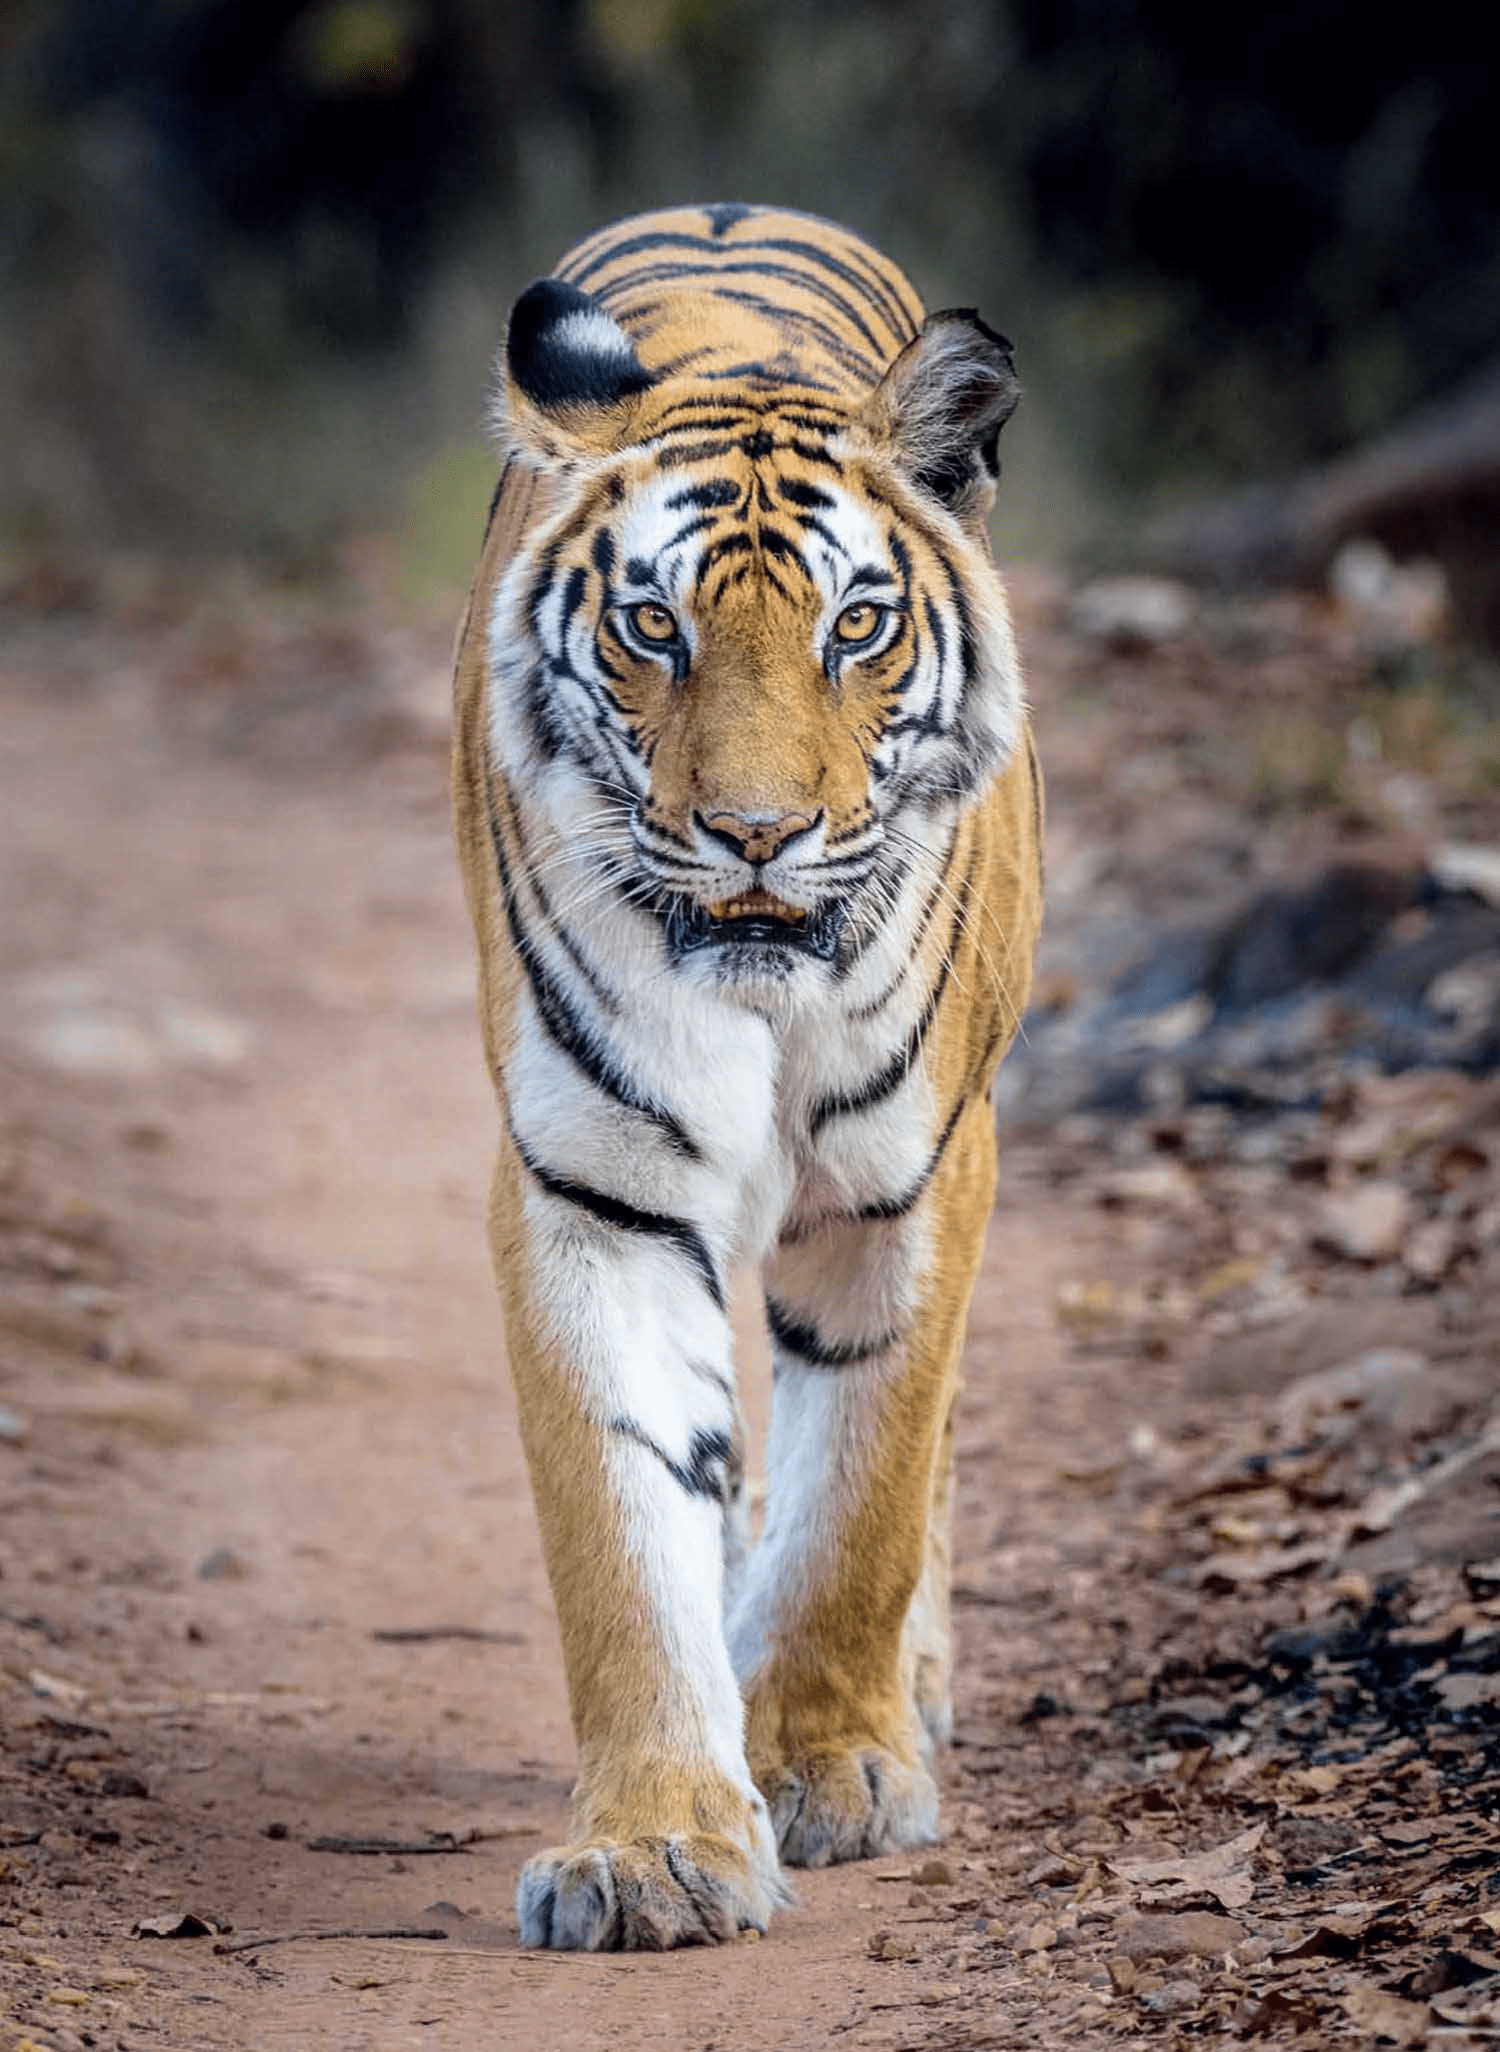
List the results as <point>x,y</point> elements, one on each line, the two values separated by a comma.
<point>756,905</point>
<point>754,920</point>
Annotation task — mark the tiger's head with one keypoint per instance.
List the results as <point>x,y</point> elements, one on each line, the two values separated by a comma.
<point>758,625</point>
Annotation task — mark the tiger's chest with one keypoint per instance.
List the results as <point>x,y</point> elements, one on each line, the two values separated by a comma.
<point>824,1117</point>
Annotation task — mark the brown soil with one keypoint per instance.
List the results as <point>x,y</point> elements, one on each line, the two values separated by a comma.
<point>255,1416</point>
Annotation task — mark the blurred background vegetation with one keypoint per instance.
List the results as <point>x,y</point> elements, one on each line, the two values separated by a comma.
<point>255,259</point>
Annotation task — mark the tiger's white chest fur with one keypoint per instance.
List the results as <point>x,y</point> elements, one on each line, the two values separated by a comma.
<point>768,1135</point>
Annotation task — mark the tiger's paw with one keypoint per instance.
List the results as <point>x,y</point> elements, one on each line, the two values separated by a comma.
<point>645,1895</point>
<point>850,1805</point>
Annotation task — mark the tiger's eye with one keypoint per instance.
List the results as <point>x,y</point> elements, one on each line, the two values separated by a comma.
<point>857,623</point>
<point>653,623</point>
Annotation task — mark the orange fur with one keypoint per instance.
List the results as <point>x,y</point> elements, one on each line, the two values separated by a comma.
<point>859,1669</point>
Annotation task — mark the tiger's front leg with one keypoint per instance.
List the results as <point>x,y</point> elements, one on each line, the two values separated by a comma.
<point>620,1349</point>
<point>840,1635</point>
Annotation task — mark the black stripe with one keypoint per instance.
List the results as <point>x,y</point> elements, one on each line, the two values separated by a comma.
<point>770,380</point>
<point>702,402</point>
<point>583,1047</point>
<point>924,920</point>
<point>879,294</point>
<point>703,1473</point>
<point>616,1212</point>
<point>676,456</point>
<point>774,543</point>
<point>889,1079</point>
<point>598,989</point>
<point>900,324</point>
<point>784,274</point>
<point>489,518</point>
<point>715,1376</point>
<point>796,1336</point>
<point>868,370</point>
<point>714,491</point>
<point>811,453</point>
<point>726,214</point>
<point>800,493</point>
<point>715,424</point>
<point>736,543</point>
<point>897,1207</point>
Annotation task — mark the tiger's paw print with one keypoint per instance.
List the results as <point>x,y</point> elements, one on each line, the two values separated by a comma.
<point>644,1895</point>
<point>850,1805</point>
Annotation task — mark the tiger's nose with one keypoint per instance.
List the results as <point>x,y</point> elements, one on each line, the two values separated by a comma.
<point>757,836</point>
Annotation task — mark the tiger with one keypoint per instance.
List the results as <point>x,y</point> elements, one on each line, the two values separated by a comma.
<point>749,819</point>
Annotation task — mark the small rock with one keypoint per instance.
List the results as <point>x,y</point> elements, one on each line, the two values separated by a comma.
<point>1121,1973</point>
<point>14,1429</point>
<point>1195,1934</point>
<point>1367,1222</point>
<point>1040,1938</point>
<point>1469,868</point>
<point>1431,1249</point>
<point>119,1977</point>
<point>934,1874</point>
<point>891,1945</point>
<point>222,1565</point>
<point>1379,1392</point>
<point>1394,606</point>
<point>1175,1996</point>
<point>118,1783</point>
<point>274,1830</point>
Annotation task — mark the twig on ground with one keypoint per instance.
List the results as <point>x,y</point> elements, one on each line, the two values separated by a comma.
<point>418,1635</point>
<point>435,1842</point>
<point>294,1937</point>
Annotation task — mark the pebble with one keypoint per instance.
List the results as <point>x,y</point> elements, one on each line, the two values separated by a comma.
<point>935,1874</point>
<point>1176,1995</point>
<point>118,1783</point>
<point>1195,1934</point>
<point>1367,1222</point>
<point>222,1565</point>
<point>14,1429</point>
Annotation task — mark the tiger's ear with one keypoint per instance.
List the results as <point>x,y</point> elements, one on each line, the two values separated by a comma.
<point>571,375</point>
<point>940,407</point>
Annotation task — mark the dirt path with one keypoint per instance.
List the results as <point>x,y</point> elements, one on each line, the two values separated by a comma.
<point>255,1414</point>
<point>257,1110</point>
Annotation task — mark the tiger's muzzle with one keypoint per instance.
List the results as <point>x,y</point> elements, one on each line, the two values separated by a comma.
<point>755,923</point>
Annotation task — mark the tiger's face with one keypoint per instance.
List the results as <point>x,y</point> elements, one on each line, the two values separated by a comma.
<point>769,643</point>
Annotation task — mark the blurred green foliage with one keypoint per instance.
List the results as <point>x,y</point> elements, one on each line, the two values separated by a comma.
<point>255,261</point>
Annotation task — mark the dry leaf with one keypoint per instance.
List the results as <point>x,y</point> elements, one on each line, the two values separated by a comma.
<point>1226,1571</point>
<point>1222,1873</point>
<point>1385,2016</point>
<point>1306,1782</point>
<point>185,1924</point>
<point>1469,1691</point>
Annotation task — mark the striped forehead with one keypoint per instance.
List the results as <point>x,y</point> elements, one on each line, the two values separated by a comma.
<point>678,527</point>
